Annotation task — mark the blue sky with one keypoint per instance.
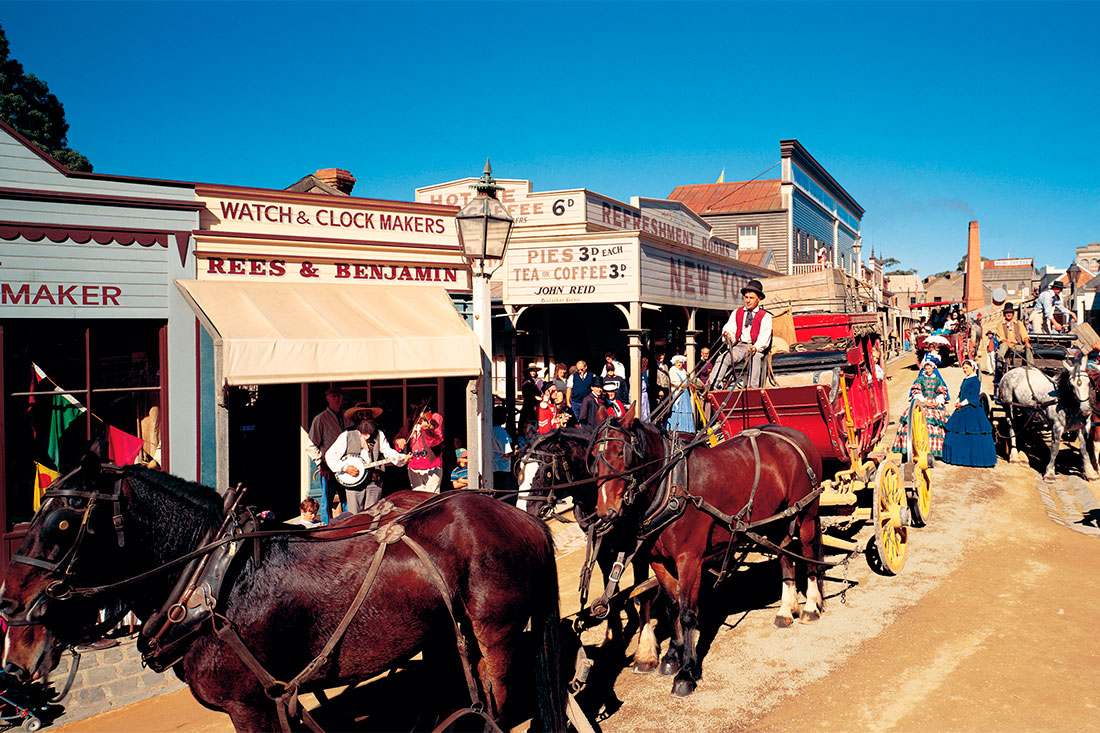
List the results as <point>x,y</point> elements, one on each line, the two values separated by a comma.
<point>929,114</point>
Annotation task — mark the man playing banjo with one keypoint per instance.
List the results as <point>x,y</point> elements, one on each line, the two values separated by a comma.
<point>356,458</point>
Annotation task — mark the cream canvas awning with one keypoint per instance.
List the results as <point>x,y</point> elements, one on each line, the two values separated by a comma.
<point>277,333</point>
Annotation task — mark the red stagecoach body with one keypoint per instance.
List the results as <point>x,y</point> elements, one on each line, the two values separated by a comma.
<point>843,410</point>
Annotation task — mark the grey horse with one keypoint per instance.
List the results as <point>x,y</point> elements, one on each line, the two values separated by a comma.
<point>1066,405</point>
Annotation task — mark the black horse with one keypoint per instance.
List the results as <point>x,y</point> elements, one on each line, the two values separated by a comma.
<point>556,464</point>
<point>101,526</point>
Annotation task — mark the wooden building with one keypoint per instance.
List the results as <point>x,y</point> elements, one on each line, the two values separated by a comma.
<point>805,218</point>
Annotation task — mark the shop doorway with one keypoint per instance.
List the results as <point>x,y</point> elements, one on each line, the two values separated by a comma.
<point>264,451</point>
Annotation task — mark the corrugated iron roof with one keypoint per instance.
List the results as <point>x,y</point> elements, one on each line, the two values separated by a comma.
<point>758,257</point>
<point>730,198</point>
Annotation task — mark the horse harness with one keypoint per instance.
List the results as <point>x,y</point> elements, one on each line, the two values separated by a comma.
<point>168,633</point>
<point>672,499</point>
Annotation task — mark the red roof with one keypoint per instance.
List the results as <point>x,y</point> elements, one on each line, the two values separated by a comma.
<point>756,257</point>
<point>730,198</point>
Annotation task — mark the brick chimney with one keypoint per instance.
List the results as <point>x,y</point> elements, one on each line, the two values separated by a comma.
<point>972,288</point>
<point>339,179</point>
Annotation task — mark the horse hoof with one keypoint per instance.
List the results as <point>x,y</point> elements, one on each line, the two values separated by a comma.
<point>1049,477</point>
<point>808,617</point>
<point>784,621</point>
<point>683,687</point>
<point>668,668</point>
<point>644,667</point>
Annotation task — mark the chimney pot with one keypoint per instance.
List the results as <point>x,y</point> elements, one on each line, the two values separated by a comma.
<point>338,178</point>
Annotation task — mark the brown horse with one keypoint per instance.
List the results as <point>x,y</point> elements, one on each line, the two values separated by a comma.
<point>496,563</point>
<point>736,479</point>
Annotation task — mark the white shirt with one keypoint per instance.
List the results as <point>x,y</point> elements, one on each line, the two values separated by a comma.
<point>763,339</point>
<point>620,371</point>
<point>336,456</point>
<point>1050,303</point>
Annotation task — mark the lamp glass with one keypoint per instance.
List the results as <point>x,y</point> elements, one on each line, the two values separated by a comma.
<point>484,226</point>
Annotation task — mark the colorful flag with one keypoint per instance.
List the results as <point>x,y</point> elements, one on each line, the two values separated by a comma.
<point>45,477</point>
<point>64,410</point>
<point>722,176</point>
<point>124,447</point>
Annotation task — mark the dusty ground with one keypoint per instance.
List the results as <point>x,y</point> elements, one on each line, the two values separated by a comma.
<point>990,626</point>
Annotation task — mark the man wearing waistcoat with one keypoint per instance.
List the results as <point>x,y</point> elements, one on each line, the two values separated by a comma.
<point>748,336</point>
<point>369,442</point>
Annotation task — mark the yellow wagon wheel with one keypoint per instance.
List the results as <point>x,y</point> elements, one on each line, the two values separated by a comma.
<point>888,515</point>
<point>920,453</point>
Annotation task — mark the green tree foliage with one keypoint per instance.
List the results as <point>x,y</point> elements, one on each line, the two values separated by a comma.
<point>902,272</point>
<point>27,105</point>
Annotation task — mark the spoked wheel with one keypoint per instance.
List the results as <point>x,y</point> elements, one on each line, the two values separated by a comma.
<point>920,453</point>
<point>987,407</point>
<point>888,514</point>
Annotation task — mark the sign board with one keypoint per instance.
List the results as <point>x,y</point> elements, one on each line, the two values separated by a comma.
<point>66,279</point>
<point>526,207</point>
<point>592,270</point>
<point>281,269</point>
<point>674,277</point>
<point>287,216</point>
<point>1028,262</point>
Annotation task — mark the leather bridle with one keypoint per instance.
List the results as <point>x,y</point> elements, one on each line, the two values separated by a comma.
<point>62,570</point>
<point>601,439</point>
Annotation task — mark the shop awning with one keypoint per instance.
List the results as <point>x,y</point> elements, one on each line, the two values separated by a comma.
<point>275,333</point>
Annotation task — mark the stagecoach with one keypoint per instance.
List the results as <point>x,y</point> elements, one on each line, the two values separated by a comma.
<point>956,345</point>
<point>827,388</point>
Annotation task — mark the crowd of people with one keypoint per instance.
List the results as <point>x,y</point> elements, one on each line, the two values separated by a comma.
<point>352,454</point>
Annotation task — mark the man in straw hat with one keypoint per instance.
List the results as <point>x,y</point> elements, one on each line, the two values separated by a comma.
<point>367,441</point>
<point>748,336</point>
<point>323,431</point>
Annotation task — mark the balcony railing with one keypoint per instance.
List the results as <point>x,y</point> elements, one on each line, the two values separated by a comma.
<point>802,269</point>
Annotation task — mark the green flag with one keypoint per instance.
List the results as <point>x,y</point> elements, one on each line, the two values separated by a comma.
<point>64,409</point>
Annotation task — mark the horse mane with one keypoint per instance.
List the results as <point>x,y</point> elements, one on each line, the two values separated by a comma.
<point>203,498</point>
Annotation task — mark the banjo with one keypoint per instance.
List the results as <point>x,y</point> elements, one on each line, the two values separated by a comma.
<point>346,480</point>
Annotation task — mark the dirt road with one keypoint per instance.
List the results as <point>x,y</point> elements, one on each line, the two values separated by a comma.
<point>989,626</point>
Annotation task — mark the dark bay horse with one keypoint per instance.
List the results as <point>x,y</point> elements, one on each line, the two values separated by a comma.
<point>561,457</point>
<point>735,478</point>
<point>496,563</point>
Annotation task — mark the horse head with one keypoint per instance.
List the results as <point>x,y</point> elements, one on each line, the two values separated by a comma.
<point>553,459</point>
<point>618,449</point>
<point>73,535</point>
<point>1075,386</point>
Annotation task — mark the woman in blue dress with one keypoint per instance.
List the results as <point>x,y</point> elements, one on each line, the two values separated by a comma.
<point>969,436</point>
<point>682,418</point>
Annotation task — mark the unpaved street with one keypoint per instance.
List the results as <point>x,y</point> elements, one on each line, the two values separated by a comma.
<point>989,627</point>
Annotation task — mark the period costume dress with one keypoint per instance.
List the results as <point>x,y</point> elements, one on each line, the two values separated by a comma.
<point>969,435</point>
<point>931,391</point>
<point>682,418</point>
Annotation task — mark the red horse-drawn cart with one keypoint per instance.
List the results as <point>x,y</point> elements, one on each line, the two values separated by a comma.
<point>829,389</point>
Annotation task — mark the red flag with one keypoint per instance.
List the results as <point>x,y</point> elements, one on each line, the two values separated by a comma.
<point>124,447</point>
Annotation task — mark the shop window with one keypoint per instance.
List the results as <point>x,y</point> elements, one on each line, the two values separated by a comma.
<point>748,237</point>
<point>112,368</point>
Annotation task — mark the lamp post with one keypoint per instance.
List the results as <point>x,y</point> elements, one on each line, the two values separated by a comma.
<point>484,226</point>
<point>1072,272</point>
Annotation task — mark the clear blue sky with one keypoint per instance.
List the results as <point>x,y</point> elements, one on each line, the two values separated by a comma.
<point>929,114</point>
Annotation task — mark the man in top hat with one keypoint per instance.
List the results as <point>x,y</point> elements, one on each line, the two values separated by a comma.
<point>587,416</point>
<point>1050,315</point>
<point>323,431</point>
<point>748,336</point>
<point>531,390</point>
<point>611,396</point>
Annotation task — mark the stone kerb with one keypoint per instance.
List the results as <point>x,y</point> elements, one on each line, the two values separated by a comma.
<point>108,679</point>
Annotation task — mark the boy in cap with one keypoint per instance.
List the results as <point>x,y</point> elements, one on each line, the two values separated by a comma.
<point>748,336</point>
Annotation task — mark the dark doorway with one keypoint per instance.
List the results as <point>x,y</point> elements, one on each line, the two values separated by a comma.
<point>264,450</point>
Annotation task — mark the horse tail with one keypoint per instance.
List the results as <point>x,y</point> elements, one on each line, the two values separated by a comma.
<point>545,627</point>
